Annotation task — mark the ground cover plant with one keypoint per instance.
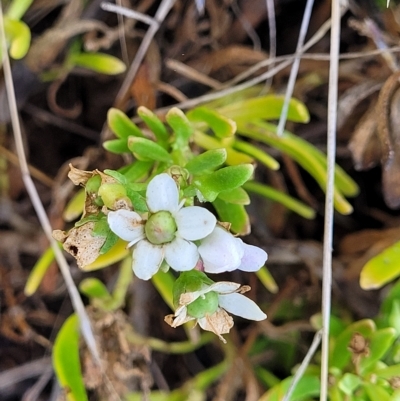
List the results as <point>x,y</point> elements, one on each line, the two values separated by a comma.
<point>184,190</point>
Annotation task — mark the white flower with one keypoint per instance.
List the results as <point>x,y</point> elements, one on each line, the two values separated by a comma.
<point>167,234</point>
<point>221,251</point>
<point>210,303</point>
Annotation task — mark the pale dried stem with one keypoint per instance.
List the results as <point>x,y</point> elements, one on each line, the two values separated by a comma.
<point>37,204</point>
<point>329,208</point>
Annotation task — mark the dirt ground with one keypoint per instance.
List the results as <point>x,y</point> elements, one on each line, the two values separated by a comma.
<point>63,115</point>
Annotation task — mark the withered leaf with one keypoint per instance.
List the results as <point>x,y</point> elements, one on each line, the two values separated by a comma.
<point>81,244</point>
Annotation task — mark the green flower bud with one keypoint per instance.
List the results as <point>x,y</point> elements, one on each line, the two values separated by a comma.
<point>160,228</point>
<point>206,304</point>
<point>93,184</point>
<point>112,193</point>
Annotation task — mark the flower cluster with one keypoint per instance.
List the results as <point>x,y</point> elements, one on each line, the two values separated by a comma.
<point>171,234</point>
<point>189,240</point>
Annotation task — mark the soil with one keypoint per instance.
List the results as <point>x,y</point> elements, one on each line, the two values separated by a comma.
<point>63,120</point>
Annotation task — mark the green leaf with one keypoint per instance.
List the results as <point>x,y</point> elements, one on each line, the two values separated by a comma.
<point>233,157</point>
<point>267,280</point>
<point>394,316</point>
<point>349,383</point>
<point>388,372</point>
<point>225,179</point>
<point>297,149</point>
<point>376,392</point>
<point>307,386</point>
<point>265,107</point>
<point>117,146</point>
<point>155,124</point>
<point>257,153</point>
<point>18,8</point>
<point>138,201</point>
<point>110,241</point>
<point>382,268</point>
<point>234,214</point>
<point>66,360</point>
<point>137,171</point>
<point>122,126</point>
<point>19,36</point>
<point>237,196</point>
<point>94,288</point>
<point>98,62</point>
<point>38,271</point>
<point>340,354</point>
<point>223,127</point>
<point>115,254</point>
<point>207,161</point>
<point>145,150</point>
<point>75,206</point>
<point>379,344</point>
<point>181,125</point>
<point>278,196</point>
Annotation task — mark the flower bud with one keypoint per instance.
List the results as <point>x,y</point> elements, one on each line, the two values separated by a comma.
<point>111,193</point>
<point>206,304</point>
<point>160,228</point>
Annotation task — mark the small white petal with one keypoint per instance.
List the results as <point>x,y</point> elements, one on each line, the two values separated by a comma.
<point>253,259</point>
<point>220,251</point>
<point>194,222</point>
<point>242,306</point>
<point>126,224</point>
<point>162,194</point>
<point>147,259</point>
<point>224,287</point>
<point>181,255</point>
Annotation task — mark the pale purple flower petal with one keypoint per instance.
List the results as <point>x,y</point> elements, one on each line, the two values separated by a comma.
<point>181,255</point>
<point>126,224</point>
<point>162,194</point>
<point>253,259</point>
<point>239,305</point>
<point>146,259</point>
<point>220,251</point>
<point>194,222</point>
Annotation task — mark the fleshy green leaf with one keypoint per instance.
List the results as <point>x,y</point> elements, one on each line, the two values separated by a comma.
<point>237,196</point>
<point>19,36</point>
<point>307,386</point>
<point>278,196</point>
<point>98,62</point>
<point>18,8</point>
<point>155,124</point>
<point>115,254</point>
<point>233,157</point>
<point>257,153</point>
<point>222,126</point>
<point>94,288</point>
<point>181,125</point>
<point>207,161</point>
<point>117,146</point>
<point>268,281</point>
<point>75,206</point>
<point>137,171</point>
<point>66,360</point>
<point>297,149</point>
<point>382,268</point>
<point>349,383</point>
<point>225,179</point>
<point>340,354</point>
<point>38,271</point>
<point>379,344</point>
<point>122,126</point>
<point>234,214</point>
<point>265,107</point>
<point>376,392</point>
<point>145,149</point>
